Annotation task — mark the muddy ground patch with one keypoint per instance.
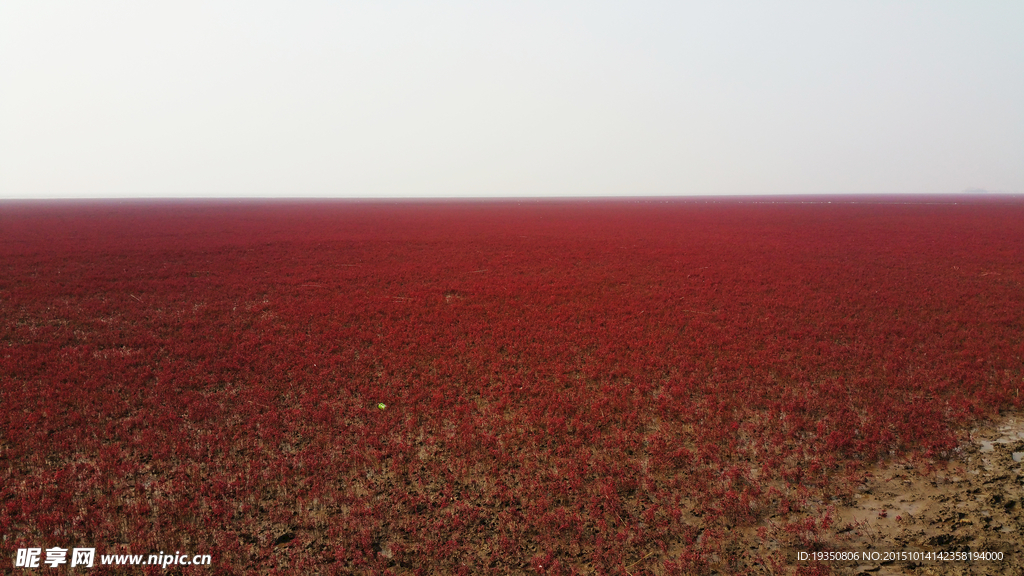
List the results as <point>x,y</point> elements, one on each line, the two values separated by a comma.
<point>971,506</point>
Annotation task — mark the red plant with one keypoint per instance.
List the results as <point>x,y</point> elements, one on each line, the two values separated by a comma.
<point>578,386</point>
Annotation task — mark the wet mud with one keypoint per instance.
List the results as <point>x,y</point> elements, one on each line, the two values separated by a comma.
<point>961,511</point>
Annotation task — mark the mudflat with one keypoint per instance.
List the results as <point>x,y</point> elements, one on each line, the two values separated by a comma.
<point>970,507</point>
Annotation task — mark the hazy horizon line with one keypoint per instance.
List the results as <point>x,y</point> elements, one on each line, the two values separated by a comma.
<point>819,196</point>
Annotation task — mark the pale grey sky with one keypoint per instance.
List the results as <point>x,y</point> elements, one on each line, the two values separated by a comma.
<point>550,98</point>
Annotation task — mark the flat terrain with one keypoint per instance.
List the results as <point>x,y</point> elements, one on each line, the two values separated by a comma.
<point>557,387</point>
<point>969,510</point>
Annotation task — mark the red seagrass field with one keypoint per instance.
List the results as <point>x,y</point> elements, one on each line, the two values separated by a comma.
<point>684,386</point>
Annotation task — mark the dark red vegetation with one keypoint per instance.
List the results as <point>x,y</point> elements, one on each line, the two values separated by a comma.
<point>571,387</point>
